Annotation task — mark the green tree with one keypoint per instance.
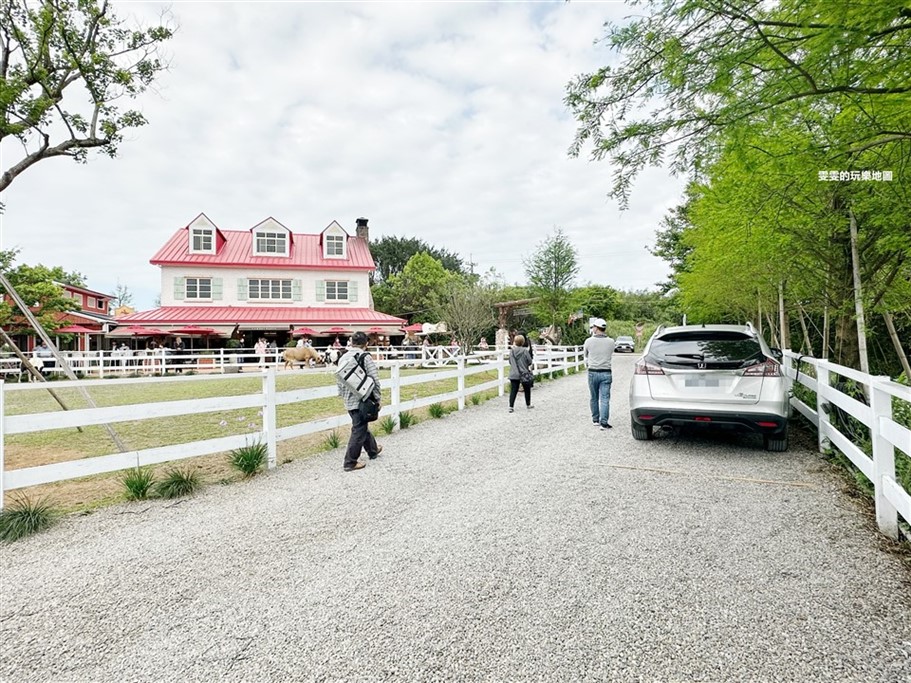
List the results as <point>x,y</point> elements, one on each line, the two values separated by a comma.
<point>594,301</point>
<point>417,291</point>
<point>390,254</point>
<point>551,271</point>
<point>696,69</point>
<point>467,308</point>
<point>48,48</point>
<point>38,286</point>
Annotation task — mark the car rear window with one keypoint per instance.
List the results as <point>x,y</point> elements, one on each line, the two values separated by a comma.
<point>708,350</point>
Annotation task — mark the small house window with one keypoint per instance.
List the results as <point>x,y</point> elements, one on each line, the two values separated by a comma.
<point>202,240</point>
<point>269,289</point>
<point>90,302</point>
<point>335,245</point>
<point>271,243</point>
<point>337,290</point>
<point>199,288</point>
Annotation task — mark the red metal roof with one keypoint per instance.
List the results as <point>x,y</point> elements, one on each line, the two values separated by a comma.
<point>237,250</point>
<point>246,315</point>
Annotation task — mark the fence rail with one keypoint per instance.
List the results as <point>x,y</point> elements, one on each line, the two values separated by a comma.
<point>886,435</point>
<point>161,361</point>
<point>548,360</point>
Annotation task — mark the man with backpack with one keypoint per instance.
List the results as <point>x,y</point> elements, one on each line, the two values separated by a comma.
<point>361,438</point>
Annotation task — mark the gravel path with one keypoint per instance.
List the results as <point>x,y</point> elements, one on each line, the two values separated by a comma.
<point>482,546</point>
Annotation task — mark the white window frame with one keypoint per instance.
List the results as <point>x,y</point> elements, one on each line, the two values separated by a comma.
<point>331,239</point>
<point>280,286</point>
<point>270,238</point>
<point>204,235</point>
<point>196,287</point>
<point>334,286</point>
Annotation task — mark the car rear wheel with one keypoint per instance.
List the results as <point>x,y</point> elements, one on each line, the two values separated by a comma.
<point>642,432</point>
<point>777,444</point>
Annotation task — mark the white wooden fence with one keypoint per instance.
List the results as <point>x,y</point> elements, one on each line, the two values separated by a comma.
<point>886,434</point>
<point>548,360</point>
<point>161,361</point>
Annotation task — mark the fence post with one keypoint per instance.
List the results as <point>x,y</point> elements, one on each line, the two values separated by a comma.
<point>460,380</point>
<point>500,372</point>
<point>100,364</point>
<point>395,393</point>
<point>269,422</point>
<point>822,381</point>
<point>883,457</point>
<point>2,439</point>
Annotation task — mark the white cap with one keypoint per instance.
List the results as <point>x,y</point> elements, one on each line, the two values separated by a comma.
<point>598,322</point>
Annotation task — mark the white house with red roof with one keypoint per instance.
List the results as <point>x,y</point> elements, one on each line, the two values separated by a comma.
<point>265,280</point>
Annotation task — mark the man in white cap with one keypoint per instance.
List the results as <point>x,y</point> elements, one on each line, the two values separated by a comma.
<point>597,352</point>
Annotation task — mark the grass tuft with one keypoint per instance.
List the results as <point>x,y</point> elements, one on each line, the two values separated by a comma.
<point>178,483</point>
<point>333,440</point>
<point>249,459</point>
<point>24,517</point>
<point>387,424</point>
<point>476,399</point>
<point>406,419</point>
<point>436,410</point>
<point>138,483</point>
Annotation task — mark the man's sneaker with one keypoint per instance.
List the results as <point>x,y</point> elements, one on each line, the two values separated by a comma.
<point>529,407</point>
<point>596,423</point>
<point>379,449</point>
<point>355,466</point>
<point>605,427</point>
<point>512,410</point>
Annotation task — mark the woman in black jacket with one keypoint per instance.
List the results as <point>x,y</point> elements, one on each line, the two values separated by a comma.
<point>520,372</point>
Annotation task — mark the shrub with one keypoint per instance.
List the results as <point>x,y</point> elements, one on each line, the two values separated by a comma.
<point>138,483</point>
<point>333,440</point>
<point>24,517</point>
<point>178,483</point>
<point>436,410</point>
<point>249,459</point>
<point>387,424</point>
<point>406,419</point>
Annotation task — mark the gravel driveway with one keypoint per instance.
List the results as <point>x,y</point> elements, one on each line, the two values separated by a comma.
<point>482,546</point>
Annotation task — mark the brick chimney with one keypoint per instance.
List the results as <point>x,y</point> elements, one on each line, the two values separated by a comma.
<point>362,230</point>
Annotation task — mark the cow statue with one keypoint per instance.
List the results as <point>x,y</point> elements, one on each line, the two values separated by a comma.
<point>301,354</point>
<point>332,355</point>
<point>550,335</point>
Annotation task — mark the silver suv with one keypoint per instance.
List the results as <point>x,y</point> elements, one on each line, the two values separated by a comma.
<point>711,376</point>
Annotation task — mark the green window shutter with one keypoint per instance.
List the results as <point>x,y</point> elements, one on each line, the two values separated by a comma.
<point>296,290</point>
<point>352,290</point>
<point>180,288</point>
<point>216,288</point>
<point>320,290</point>
<point>242,289</point>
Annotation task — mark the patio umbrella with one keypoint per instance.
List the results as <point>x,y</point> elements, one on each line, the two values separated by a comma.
<point>377,329</point>
<point>195,331</point>
<point>339,330</point>
<point>138,331</point>
<point>303,331</point>
<point>417,327</point>
<point>77,329</point>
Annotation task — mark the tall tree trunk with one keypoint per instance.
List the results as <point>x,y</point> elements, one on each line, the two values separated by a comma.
<point>785,338</point>
<point>896,342</point>
<point>806,334</point>
<point>858,298</point>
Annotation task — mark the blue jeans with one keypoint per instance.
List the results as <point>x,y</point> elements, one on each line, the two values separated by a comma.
<point>599,382</point>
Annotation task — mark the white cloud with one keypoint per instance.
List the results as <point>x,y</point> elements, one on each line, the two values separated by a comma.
<point>443,121</point>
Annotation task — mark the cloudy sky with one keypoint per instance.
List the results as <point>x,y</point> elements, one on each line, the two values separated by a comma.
<point>440,120</point>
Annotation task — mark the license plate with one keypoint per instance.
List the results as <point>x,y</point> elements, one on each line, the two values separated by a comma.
<point>702,381</point>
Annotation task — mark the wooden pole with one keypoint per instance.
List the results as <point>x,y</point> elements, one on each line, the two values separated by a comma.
<point>896,342</point>
<point>57,355</point>
<point>858,298</point>
<point>26,363</point>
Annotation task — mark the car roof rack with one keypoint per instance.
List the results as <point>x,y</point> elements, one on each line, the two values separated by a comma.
<point>750,327</point>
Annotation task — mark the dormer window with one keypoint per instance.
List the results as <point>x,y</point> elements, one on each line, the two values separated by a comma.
<point>202,241</point>
<point>335,246</point>
<point>268,243</point>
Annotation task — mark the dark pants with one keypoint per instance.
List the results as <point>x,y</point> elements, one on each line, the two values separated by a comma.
<point>514,391</point>
<point>361,438</point>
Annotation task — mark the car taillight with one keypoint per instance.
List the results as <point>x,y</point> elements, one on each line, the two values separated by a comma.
<point>643,368</point>
<point>768,369</point>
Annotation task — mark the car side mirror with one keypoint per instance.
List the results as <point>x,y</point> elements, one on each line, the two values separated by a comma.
<point>777,353</point>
